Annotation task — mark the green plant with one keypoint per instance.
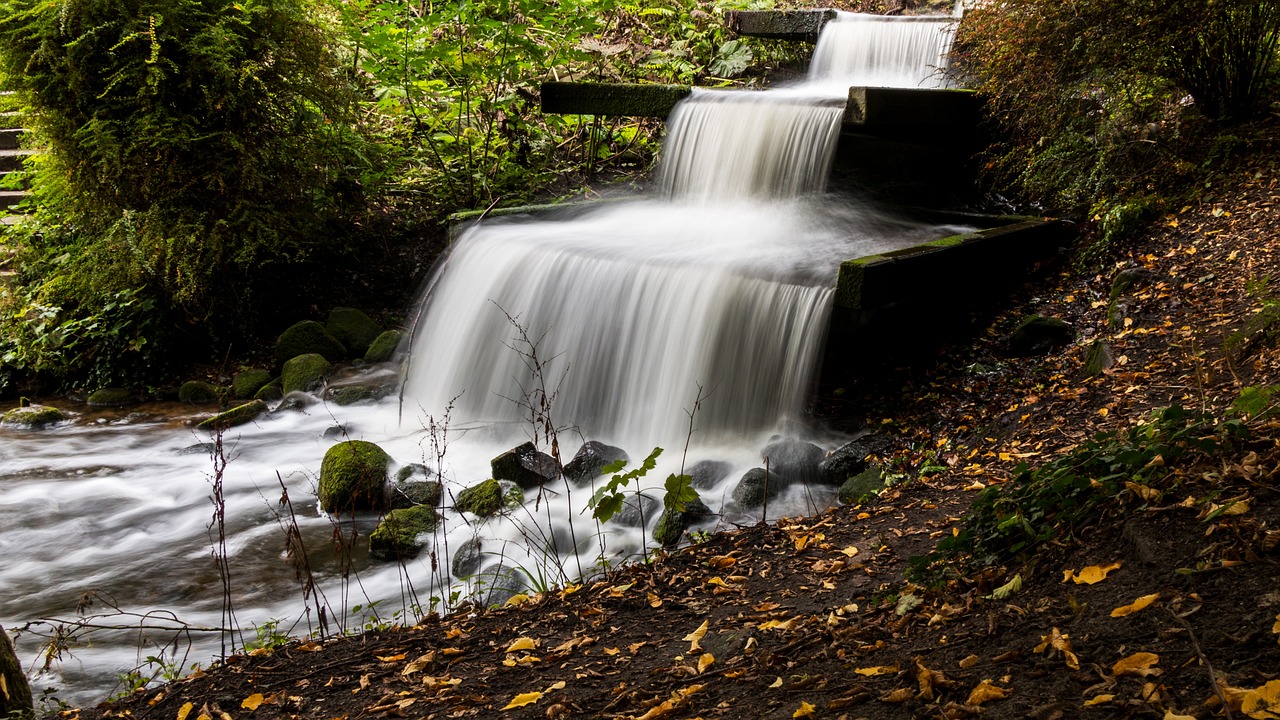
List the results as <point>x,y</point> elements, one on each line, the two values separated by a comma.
<point>609,498</point>
<point>267,637</point>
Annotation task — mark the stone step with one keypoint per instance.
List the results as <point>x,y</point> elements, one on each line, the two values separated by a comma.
<point>9,138</point>
<point>793,25</point>
<point>9,198</point>
<point>12,220</point>
<point>633,99</point>
<point>11,160</point>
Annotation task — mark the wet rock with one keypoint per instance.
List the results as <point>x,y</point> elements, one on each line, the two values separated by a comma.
<point>851,459</point>
<point>333,432</point>
<point>297,402</point>
<point>351,327</point>
<point>352,476</point>
<point>468,558</point>
<point>524,466</point>
<point>383,347</point>
<point>672,525</point>
<point>352,394</point>
<point>487,498</point>
<point>792,461</point>
<point>199,392</point>
<point>246,383</point>
<point>496,586</point>
<point>400,534</point>
<point>32,416</point>
<point>637,513</point>
<point>306,338</point>
<point>1040,335</point>
<point>591,459</point>
<point>235,416</point>
<point>1097,359</point>
<point>756,487</point>
<point>15,700</point>
<point>199,449</point>
<point>707,474</point>
<point>862,486</point>
<point>271,392</point>
<point>304,373</point>
<point>408,494</point>
<point>110,398</point>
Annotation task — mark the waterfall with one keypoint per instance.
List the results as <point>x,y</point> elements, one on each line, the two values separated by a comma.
<point>879,51</point>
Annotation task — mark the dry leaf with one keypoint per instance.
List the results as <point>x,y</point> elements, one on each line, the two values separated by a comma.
<point>554,687</point>
<point>1263,703</point>
<point>705,661</point>
<point>654,600</point>
<point>420,664</point>
<point>185,710</point>
<point>1090,575</point>
<point>1141,603</point>
<point>619,590</point>
<point>987,691</point>
<point>969,662</point>
<point>1239,507</point>
<point>1098,700</point>
<point>1140,664</point>
<point>252,702</point>
<point>524,643</point>
<point>850,551</point>
<point>390,658</point>
<point>778,624</point>
<point>1276,628</point>
<point>611,651</point>
<point>516,600</point>
<point>1060,642</point>
<point>523,699</point>
<point>924,676</point>
<point>805,710</point>
<point>569,590</point>
<point>900,695</point>
<point>1171,715</point>
<point>776,683</point>
<point>877,670</point>
<point>718,582</point>
<point>720,562</point>
<point>309,646</point>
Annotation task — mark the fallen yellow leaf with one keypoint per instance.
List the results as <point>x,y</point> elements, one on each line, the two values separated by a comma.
<point>776,683</point>
<point>900,695</point>
<point>1141,603</point>
<point>390,658</point>
<point>1090,575</point>
<point>705,661</point>
<point>654,600</point>
<point>252,702</point>
<point>778,624</point>
<point>987,691</point>
<point>1171,715</point>
<point>1099,699</point>
<point>850,551</point>
<point>523,699</point>
<point>877,670</point>
<point>805,710</point>
<point>1276,628</point>
<point>1263,703</point>
<point>718,582</point>
<point>969,662</point>
<point>516,600</point>
<point>185,710</point>
<point>697,635</point>
<point>1060,642</point>
<point>1239,507</point>
<point>611,651</point>
<point>619,590</point>
<point>1140,664</point>
<point>554,686</point>
<point>524,643</point>
<point>309,646</point>
<point>569,590</point>
<point>419,664</point>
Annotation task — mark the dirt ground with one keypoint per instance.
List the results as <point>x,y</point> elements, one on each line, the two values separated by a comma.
<point>812,617</point>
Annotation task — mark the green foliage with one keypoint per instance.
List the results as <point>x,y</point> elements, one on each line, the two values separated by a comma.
<point>608,499</point>
<point>1007,523</point>
<point>679,493</point>
<point>192,148</point>
<point>1091,96</point>
<point>268,636</point>
<point>1255,402</point>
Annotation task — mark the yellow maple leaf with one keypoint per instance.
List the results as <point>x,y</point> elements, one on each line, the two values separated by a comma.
<point>185,710</point>
<point>517,600</point>
<point>524,643</point>
<point>252,702</point>
<point>805,710</point>
<point>705,661</point>
<point>1140,664</point>
<point>986,691</point>
<point>1099,699</point>
<point>1090,575</point>
<point>523,699</point>
<point>1263,703</point>
<point>1141,603</point>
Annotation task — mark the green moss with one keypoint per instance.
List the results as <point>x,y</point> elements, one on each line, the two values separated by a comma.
<point>861,486</point>
<point>671,525</point>
<point>271,392</point>
<point>396,537</point>
<point>488,497</point>
<point>352,394</point>
<point>384,347</point>
<point>235,416</point>
<point>949,241</point>
<point>304,373</point>
<point>351,327</point>
<point>352,476</point>
<point>111,397</point>
<point>199,392</point>
<point>32,416</point>
<point>246,383</point>
<point>306,338</point>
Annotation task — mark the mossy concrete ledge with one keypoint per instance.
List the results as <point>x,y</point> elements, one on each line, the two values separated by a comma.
<point>935,271</point>
<point>624,99</point>
<point>793,25</point>
<point>877,107</point>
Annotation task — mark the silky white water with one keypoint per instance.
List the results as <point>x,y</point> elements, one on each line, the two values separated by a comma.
<point>717,291</point>
<point>880,51</point>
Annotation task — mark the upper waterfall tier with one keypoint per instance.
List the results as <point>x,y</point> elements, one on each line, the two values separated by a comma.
<point>880,51</point>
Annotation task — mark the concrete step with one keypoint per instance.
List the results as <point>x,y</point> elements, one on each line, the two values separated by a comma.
<point>633,99</point>
<point>9,138</point>
<point>12,220</point>
<point>793,25</point>
<point>9,198</point>
<point>11,160</point>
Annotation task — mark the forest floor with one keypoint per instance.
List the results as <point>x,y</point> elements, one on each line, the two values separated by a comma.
<point>1163,603</point>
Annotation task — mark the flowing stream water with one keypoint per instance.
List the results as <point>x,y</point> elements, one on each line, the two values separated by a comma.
<point>709,297</point>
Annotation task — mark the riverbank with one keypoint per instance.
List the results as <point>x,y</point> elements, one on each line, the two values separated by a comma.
<point>814,616</point>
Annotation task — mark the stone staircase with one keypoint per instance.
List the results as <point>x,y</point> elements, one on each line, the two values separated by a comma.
<point>13,179</point>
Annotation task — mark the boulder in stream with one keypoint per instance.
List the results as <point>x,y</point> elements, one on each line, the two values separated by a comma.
<point>757,487</point>
<point>351,327</point>
<point>271,392</point>
<point>110,398</point>
<point>489,497</point>
<point>525,466</point>
<point>792,461</point>
<point>590,461</point>
<point>306,338</point>
<point>468,558</point>
<point>235,416</point>
<point>851,459</point>
<point>304,373</point>
<point>352,476</point>
<point>671,525</point>
<point>199,392</point>
<point>408,494</point>
<point>399,535</point>
<point>706,474</point>
<point>637,513</point>
<point>383,347</point>
<point>246,383</point>
<point>32,416</point>
<point>497,585</point>
<point>862,486</point>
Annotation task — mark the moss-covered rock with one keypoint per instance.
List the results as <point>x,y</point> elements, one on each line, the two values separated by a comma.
<point>1040,335</point>
<point>235,416</point>
<point>355,330</point>
<point>408,494</point>
<point>271,392</point>
<point>383,347</point>
<point>1097,359</point>
<point>852,458</point>
<point>304,373</point>
<point>352,476</point>
<point>399,535</point>
<point>306,338</point>
<point>110,398</point>
<point>352,394</point>
<point>673,524</point>
<point>862,486</point>
<point>487,498</point>
<point>199,392</point>
<point>246,383</point>
<point>32,416</point>
<point>525,466</point>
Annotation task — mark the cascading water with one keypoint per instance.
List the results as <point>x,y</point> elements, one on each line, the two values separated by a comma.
<point>718,288</point>
<point>882,51</point>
